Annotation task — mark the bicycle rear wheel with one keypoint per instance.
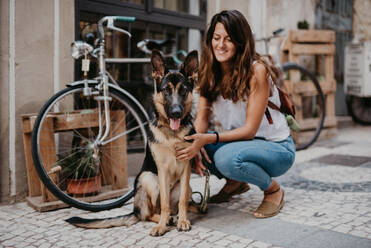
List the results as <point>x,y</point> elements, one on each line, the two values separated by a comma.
<point>360,109</point>
<point>309,100</point>
<point>64,149</point>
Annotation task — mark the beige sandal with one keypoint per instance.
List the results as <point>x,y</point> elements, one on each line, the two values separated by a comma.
<point>268,209</point>
<point>223,196</point>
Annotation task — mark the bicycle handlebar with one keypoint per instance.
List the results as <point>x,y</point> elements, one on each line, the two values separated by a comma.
<point>124,18</point>
<point>110,20</point>
<point>275,33</point>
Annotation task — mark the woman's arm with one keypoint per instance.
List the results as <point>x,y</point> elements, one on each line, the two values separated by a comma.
<point>257,104</point>
<point>201,122</point>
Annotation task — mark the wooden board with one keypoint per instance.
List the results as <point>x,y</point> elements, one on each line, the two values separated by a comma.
<point>114,163</point>
<point>312,35</point>
<point>33,180</point>
<point>311,123</point>
<point>28,122</point>
<point>56,122</point>
<point>330,104</point>
<point>48,156</point>
<point>307,88</point>
<point>320,44</point>
<point>329,67</point>
<point>76,120</point>
<point>38,204</point>
<point>302,49</point>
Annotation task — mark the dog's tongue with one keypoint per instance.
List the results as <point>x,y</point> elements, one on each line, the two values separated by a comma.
<point>174,124</point>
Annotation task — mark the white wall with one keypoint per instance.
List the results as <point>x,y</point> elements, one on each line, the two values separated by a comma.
<point>194,35</point>
<point>35,61</point>
<point>265,16</point>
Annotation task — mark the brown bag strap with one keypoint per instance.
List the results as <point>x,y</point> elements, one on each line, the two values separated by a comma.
<point>268,115</point>
<point>273,106</point>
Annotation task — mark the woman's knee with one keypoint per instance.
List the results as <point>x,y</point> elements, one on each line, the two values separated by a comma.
<point>228,158</point>
<point>283,166</point>
<point>224,165</point>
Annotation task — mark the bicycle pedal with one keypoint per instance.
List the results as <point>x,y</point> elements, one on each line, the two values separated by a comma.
<point>103,98</point>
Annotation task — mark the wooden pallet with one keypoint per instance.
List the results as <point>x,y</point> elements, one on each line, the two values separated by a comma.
<point>320,44</point>
<point>115,181</point>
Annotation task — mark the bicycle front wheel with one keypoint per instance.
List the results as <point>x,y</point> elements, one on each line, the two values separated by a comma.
<point>309,100</point>
<point>70,161</point>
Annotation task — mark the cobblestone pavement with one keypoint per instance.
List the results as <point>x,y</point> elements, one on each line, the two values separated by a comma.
<point>328,204</point>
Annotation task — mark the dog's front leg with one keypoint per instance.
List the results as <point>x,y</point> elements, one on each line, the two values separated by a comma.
<point>164,183</point>
<point>183,223</point>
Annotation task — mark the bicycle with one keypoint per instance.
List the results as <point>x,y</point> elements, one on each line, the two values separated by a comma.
<point>313,104</point>
<point>174,58</point>
<point>93,127</point>
<point>359,108</point>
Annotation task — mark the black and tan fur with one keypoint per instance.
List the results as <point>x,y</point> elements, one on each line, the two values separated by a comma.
<point>162,188</point>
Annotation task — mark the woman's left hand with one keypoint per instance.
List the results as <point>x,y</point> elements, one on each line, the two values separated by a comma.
<point>199,140</point>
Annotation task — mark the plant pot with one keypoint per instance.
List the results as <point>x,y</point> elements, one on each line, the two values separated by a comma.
<point>84,186</point>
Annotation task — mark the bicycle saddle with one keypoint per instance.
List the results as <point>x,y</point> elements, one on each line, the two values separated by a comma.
<point>148,45</point>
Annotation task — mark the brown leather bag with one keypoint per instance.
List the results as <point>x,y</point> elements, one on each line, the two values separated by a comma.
<point>286,107</point>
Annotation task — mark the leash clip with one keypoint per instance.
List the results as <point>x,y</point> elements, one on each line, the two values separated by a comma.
<point>202,206</point>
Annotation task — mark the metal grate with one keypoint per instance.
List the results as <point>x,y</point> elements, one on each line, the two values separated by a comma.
<point>346,160</point>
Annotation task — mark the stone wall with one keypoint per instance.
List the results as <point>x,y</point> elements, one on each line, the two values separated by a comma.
<point>362,19</point>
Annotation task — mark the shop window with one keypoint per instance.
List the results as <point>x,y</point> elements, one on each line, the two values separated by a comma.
<point>140,2</point>
<point>155,19</point>
<point>174,5</point>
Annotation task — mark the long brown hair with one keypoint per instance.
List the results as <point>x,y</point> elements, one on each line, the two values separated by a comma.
<point>236,87</point>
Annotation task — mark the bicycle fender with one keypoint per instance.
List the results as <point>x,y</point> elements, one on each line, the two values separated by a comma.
<point>81,82</point>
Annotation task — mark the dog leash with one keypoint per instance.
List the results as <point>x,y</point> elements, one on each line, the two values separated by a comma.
<point>202,205</point>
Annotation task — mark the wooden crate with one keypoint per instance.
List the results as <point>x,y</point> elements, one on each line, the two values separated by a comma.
<point>321,45</point>
<point>115,181</point>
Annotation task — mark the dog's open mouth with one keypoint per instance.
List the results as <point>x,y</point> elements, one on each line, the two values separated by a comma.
<point>174,124</point>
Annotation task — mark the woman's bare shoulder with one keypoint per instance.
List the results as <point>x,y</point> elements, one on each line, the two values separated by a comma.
<point>259,70</point>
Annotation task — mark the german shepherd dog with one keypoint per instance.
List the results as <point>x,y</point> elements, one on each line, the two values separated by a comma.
<point>162,187</point>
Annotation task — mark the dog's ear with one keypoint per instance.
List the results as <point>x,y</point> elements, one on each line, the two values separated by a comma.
<point>190,66</point>
<point>158,65</point>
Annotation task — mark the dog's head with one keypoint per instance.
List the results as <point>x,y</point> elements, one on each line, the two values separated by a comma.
<point>173,99</point>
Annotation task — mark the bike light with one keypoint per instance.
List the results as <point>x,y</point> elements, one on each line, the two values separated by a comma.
<point>80,48</point>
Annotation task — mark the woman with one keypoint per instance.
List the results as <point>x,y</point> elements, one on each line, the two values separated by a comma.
<point>235,85</point>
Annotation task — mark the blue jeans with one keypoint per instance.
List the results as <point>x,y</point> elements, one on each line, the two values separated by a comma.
<point>253,161</point>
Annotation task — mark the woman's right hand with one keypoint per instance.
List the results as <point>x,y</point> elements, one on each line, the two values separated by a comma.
<point>199,167</point>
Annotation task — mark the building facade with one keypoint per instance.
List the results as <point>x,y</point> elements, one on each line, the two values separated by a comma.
<point>36,35</point>
<point>36,59</point>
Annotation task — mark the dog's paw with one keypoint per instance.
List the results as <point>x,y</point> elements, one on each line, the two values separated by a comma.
<point>158,230</point>
<point>184,225</point>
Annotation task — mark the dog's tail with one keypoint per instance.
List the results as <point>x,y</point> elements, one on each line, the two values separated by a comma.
<point>122,220</point>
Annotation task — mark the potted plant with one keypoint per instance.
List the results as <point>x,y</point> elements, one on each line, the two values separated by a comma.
<point>81,168</point>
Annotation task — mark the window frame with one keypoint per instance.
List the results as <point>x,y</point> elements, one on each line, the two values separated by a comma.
<point>145,12</point>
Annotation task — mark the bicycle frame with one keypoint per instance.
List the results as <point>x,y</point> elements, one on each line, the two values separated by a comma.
<point>114,85</point>
<point>102,84</point>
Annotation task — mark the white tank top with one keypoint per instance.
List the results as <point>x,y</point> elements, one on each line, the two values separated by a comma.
<point>226,115</point>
